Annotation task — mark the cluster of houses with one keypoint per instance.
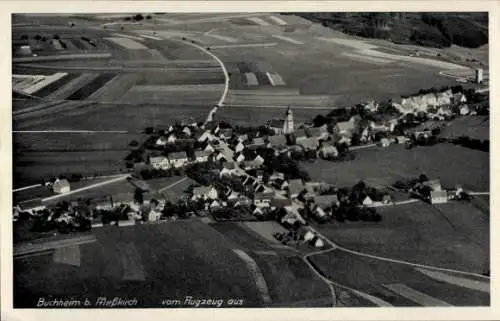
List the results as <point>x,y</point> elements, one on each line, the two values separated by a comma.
<point>441,102</point>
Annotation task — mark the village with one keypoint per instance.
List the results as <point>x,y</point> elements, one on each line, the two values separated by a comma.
<point>254,173</point>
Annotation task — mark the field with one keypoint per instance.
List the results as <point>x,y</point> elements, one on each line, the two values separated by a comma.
<point>454,235</point>
<point>130,262</point>
<point>52,154</point>
<point>383,166</point>
<point>377,278</point>
<point>475,127</point>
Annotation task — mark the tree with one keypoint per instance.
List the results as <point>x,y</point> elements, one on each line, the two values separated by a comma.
<point>24,37</point>
<point>149,130</point>
<point>38,37</point>
<point>138,196</point>
<point>148,17</point>
<point>138,17</point>
<point>423,178</point>
<point>134,143</point>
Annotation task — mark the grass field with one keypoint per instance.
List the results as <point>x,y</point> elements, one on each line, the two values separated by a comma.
<point>372,276</point>
<point>52,154</point>
<point>292,283</point>
<point>188,257</point>
<point>452,235</point>
<point>475,127</point>
<point>383,166</point>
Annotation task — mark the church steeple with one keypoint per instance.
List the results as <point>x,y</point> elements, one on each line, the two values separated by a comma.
<point>288,126</point>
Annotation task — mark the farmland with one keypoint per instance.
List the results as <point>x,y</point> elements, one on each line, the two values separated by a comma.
<point>477,127</point>
<point>200,255</point>
<point>96,153</point>
<point>451,235</point>
<point>383,166</point>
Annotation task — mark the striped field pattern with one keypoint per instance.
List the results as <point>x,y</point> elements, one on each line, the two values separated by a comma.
<point>126,43</point>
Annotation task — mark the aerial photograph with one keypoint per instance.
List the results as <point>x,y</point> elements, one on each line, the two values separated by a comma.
<point>250,160</point>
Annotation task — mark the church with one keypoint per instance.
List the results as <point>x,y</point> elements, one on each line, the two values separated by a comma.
<point>283,126</point>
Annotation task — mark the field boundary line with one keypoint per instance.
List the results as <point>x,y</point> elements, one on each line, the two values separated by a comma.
<point>173,184</point>
<point>87,187</point>
<point>222,65</point>
<point>26,187</point>
<point>257,274</point>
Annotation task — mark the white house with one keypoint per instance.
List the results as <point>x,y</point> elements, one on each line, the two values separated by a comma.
<point>161,141</point>
<point>367,201</point>
<point>328,150</point>
<point>439,197</point>
<point>206,136</point>
<point>240,158</point>
<point>159,162</point>
<point>319,243</point>
<point>209,148</point>
<point>215,204</point>
<point>186,130</point>
<point>464,110</point>
<point>385,142</point>
<point>61,186</point>
<point>239,147</point>
<point>205,193</point>
<point>171,138</point>
<point>178,159</point>
<point>201,156</point>
<point>154,215</point>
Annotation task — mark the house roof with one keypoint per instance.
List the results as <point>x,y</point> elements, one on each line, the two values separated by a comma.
<point>317,131</point>
<point>309,143</point>
<point>325,201</point>
<point>264,196</point>
<point>177,155</point>
<point>277,140</point>
<point>202,153</point>
<point>61,183</point>
<point>433,184</point>
<point>201,190</point>
<point>227,132</point>
<point>345,126</point>
<point>295,186</point>
<point>438,194</point>
<point>329,148</point>
<point>258,141</point>
<point>300,133</point>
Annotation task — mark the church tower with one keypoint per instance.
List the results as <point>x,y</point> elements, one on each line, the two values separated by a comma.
<point>288,126</point>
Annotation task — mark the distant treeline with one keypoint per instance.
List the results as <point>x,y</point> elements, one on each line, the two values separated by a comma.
<point>427,29</point>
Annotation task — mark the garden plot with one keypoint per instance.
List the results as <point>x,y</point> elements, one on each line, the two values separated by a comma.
<point>267,98</point>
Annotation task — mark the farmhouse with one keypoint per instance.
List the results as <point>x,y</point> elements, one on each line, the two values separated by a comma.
<point>276,125</point>
<point>61,186</point>
<point>206,136</point>
<point>226,133</point>
<point>178,159</point>
<point>161,141</point>
<point>239,158</point>
<point>464,110</point>
<point>367,201</point>
<point>257,142</point>
<point>204,193</point>
<point>242,138</point>
<point>308,144</point>
<point>209,148</point>
<point>159,162</point>
<point>263,199</point>
<point>171,138</point>
<point>345,128</point>
<point>318,132</point>
<point>186,130</point>
<point>201,156</point>
<point>327,151</point>
<point>239,147</point>
<point>326,201</point>
<point>385,142</point>
<point>438,197</point>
